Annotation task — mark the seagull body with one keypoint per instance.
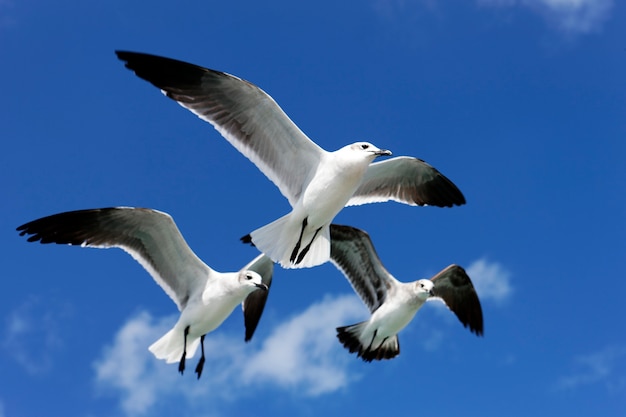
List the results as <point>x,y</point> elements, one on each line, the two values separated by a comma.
<point>392,303</point>
<point>204,296</point>
<point>317,183</point>
<point>301,238</point>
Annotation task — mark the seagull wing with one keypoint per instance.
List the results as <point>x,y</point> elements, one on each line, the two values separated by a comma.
<point>243,113</point>
<point>454,287</point>
<point>406,180</point>
<point>149,236</point>
<point>352,252</point>
<point>254,303</point>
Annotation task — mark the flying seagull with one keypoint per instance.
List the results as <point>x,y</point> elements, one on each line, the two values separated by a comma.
<point>392,303</point>
<point>317,183</point>
<point>204,296</point>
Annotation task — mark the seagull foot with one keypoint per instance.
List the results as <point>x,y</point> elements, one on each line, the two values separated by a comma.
<point>181,364</point>
<point>200,367</point>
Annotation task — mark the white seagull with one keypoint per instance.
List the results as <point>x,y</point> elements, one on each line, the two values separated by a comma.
<point>392,303</point>
<point>204,297</point>
<point>317,183</point>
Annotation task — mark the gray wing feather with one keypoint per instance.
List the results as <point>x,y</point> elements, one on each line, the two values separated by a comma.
<point>352,252</point>
<point>454,287</point>
<point>254,303</point>
<point>406,180</point>
<point>243,113</point>
<point>149,236</point>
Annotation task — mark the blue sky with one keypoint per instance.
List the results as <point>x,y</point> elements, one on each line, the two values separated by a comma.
<point>521,103</point>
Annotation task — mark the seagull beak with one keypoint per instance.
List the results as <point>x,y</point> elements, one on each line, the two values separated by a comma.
<point>262,287</point>
<point>431,293</point>
<point>382,152</point>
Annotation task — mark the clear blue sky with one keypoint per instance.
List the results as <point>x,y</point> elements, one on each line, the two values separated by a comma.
<point>522,103</point>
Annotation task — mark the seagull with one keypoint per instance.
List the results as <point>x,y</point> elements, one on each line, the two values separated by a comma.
<point>317,183</point>
<point>204,296</point>
<point>392,303</point>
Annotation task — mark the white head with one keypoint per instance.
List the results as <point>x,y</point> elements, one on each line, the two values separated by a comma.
<point>365,150</point>
<point>251,280</point>
<point>424,288</point>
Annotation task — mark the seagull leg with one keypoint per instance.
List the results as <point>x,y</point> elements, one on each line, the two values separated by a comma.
<point>294,254</point>
<point>201,361</point>
<point>307,247</point>
<point>181,364</point>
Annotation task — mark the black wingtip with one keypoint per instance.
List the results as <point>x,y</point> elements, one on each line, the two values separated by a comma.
<point>247,239</point>
<point>253,310</point>
<point>164,73</point>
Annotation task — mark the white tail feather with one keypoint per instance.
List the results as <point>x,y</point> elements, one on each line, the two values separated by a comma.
<point>278,239</point>
<point>170,346</point>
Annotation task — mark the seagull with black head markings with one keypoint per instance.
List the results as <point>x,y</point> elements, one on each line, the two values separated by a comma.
<point>392,303</point>
<point>204,296</point>
<point>317,183</point>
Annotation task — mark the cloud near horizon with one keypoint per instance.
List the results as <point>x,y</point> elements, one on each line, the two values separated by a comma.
<point>301,354</point>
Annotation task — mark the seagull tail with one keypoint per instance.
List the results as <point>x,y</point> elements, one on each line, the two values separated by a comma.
<point>278,239</point>
<point>350,338</point>
<point>170,347</point>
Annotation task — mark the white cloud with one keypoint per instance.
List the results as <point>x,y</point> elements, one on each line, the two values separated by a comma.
<point>31,334</point>
<point>127,367</point>
<point>568,16</point>
<point>598,367</point>
<point>301,353</point>
<point>491,280</point>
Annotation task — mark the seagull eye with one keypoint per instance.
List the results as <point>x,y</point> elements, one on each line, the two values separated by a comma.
<point>248,276</point>
<point>365,146</point>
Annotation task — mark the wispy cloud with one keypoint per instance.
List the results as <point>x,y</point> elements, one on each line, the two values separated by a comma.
<point>126,367</point>
<point>491,280</point>
<point>31,334</point>
<point>301,353</point>
<point>606,366</point>
<point>568,16</point>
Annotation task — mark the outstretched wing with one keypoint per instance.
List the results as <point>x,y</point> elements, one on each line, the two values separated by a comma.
<point>406,180</point>
<point>454,287</point>
<point>149,236</point>
<point>243,113</point>
<point>352,252</point>
<point>254,303</point>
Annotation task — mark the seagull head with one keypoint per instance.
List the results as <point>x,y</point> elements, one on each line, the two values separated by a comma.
<point>424,288</point>
<point>369,149</point>
<point>253,280</point>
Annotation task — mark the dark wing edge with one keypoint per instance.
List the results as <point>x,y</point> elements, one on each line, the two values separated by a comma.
<point>70,227</point>
<point>352,252</point>
<point>254,303</point>
<point>149,236</point>
<point>244,114</point>
<point>454,287</point>
<point>407,180</point>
